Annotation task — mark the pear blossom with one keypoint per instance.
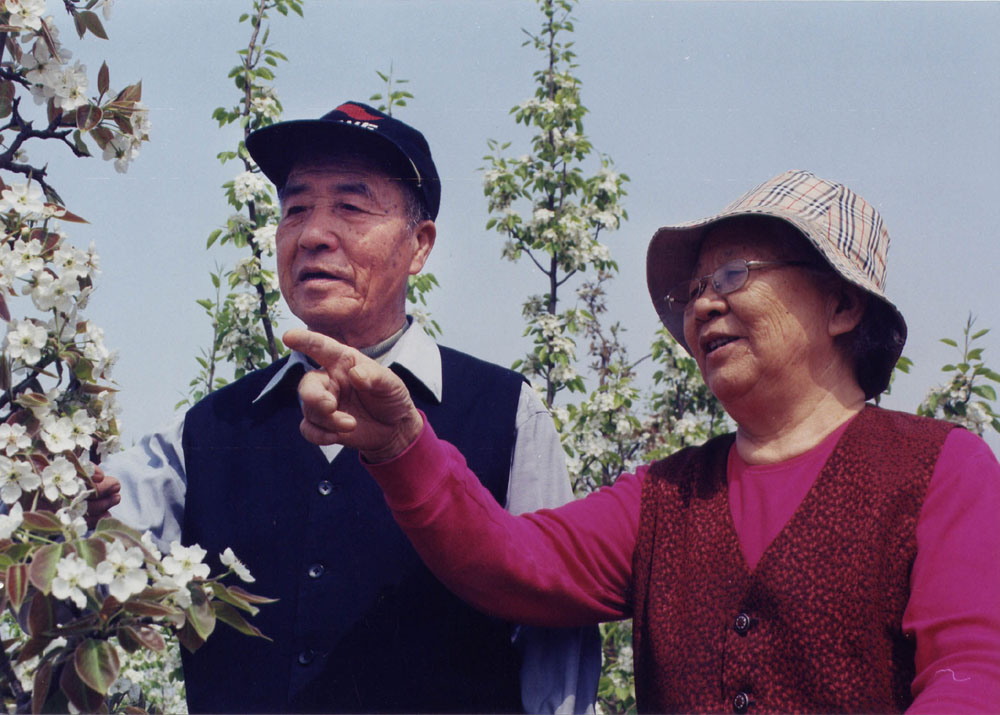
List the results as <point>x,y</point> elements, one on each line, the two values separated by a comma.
<point>25,14</point>
<point>25,341</point>
<point>180,597</point>
<point>60,478</point>
<point>265,237</point>
<point>71,517</point>
<point>51,293</point>
<point>248,185</point>
<point>68,87</point>
<point>73,575</point>
<point>122,571</point>
<point>26,258</point>
<point>24,199</point>
<point>13,438</point>
<point>185,563</point>
<point>228,558</point>
<point>57,433</point>
<point>16,478</point>
<point>10,521</point>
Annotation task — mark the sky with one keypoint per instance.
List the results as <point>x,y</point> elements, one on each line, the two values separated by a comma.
<point>696,101</point>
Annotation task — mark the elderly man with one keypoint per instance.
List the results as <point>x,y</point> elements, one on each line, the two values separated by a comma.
<point>360,624</point>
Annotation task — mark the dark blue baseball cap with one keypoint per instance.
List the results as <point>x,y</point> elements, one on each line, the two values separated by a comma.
<point>356,127</point>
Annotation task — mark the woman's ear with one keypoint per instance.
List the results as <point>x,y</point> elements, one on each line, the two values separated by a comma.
<point>847,307</point>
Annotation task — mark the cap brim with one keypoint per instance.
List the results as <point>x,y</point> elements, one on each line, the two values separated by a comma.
<point>278,147</point>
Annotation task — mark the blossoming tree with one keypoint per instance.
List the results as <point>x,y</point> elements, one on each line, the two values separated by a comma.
<point>74,600</point>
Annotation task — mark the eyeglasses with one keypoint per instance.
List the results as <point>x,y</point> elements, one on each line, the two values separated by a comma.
<point>727,278</point>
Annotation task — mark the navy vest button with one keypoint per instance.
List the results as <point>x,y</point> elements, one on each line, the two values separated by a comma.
<point>306,657</point>
<point>316,570</point>
<point>325,488</point>
<point>741,702</point>
<point>742,624</point>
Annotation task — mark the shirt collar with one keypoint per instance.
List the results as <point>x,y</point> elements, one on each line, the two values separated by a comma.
<point>415,351</point>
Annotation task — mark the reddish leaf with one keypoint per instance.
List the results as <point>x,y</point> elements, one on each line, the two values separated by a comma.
<point>249,597</point>
<point>33,647</point>
<point>92,22</point>
<point>200,614</point>
<point>44,521</point>
<point>141,636</point>
<point>40,688</point>
<point>139,607</point>
<point>16,584</point>
<point>92,550</point>
<point>43,566</point>
<point>88,117</point>
<point>103,136</point>
<point>97,664</point>
<point>41,615</point>
<point>84,698</point>
<point>103,78</point>
<point>227,614</point>
<point>4,311</point>
<point>190,639</point>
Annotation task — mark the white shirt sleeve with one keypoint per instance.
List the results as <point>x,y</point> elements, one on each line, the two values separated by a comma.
<point>560,667</point>
<point>154,483</point>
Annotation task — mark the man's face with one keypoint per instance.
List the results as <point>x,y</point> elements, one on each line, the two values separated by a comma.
<point>346,247</point>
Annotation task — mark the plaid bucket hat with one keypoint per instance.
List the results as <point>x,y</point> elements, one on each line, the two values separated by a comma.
<point>352,125</point>
<point>846,230</point>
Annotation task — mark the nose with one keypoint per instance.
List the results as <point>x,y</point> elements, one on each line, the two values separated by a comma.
<point>707,305</point>
<point>319,231</point>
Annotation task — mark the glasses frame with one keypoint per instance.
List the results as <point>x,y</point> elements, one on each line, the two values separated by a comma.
<point>678,306</point>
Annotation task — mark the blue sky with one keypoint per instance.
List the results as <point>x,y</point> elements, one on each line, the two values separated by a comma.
<point>696,102</point>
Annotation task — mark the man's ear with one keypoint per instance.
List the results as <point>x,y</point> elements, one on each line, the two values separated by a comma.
<point>847,307</point>
<point>424,235</point>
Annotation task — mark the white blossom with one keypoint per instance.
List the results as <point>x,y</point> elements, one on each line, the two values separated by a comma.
<point>16,478</point>
<point>60,478</point>
<point>248,185</point>
<point>24,199</point>
<point>68,87</point>
<point>228,558</point>
<point>13,438</point>
<point>57,433</point>
<point>265,238</point>
<point>25,14</point>
<point>185,563</point>
<point>25,341</point>
<point>73,575</point>
<point>10,521</point>
<point>122,571</point>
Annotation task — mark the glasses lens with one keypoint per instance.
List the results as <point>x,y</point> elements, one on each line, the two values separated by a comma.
<point>730,277</point>
<point>679,296</point>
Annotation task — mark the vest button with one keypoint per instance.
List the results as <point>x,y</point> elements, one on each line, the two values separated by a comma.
<point>325,488</point>
<point>316,570</point>
<point>741,702</point>
<point>306,657</point>
<point>742,624</point>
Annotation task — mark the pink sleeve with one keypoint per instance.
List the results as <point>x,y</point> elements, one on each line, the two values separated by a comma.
<point>569,566</point>
<point>954,606</point>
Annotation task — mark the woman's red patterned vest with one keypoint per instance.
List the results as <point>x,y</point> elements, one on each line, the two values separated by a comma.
<point>816,626</point>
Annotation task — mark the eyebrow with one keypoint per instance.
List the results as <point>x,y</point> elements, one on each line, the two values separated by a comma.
<point>355,188</point>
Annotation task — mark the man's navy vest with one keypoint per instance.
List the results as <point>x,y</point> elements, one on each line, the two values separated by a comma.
<point>361,624</point>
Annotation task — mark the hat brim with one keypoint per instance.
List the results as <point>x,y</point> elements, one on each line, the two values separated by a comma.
<point>278,147</point>
<point>673,253</point>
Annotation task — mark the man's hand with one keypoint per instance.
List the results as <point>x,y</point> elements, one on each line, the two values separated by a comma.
<point>106,496</point>
<point>352,400</point>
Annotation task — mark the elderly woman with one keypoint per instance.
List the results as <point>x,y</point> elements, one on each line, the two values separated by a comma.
<point>828,556</point>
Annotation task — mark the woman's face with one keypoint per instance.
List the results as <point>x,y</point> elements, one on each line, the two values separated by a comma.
<point>769,339</point>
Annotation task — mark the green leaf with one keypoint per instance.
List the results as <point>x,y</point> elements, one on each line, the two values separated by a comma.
<point>949,341</point>
<point>200,614</point>
<point>985,391</point>
<point>980,334</point>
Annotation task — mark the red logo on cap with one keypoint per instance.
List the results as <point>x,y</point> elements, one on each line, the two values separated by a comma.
<point>356,112</point>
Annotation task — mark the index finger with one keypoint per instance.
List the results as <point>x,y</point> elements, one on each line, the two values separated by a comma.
<point>326,351</point>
